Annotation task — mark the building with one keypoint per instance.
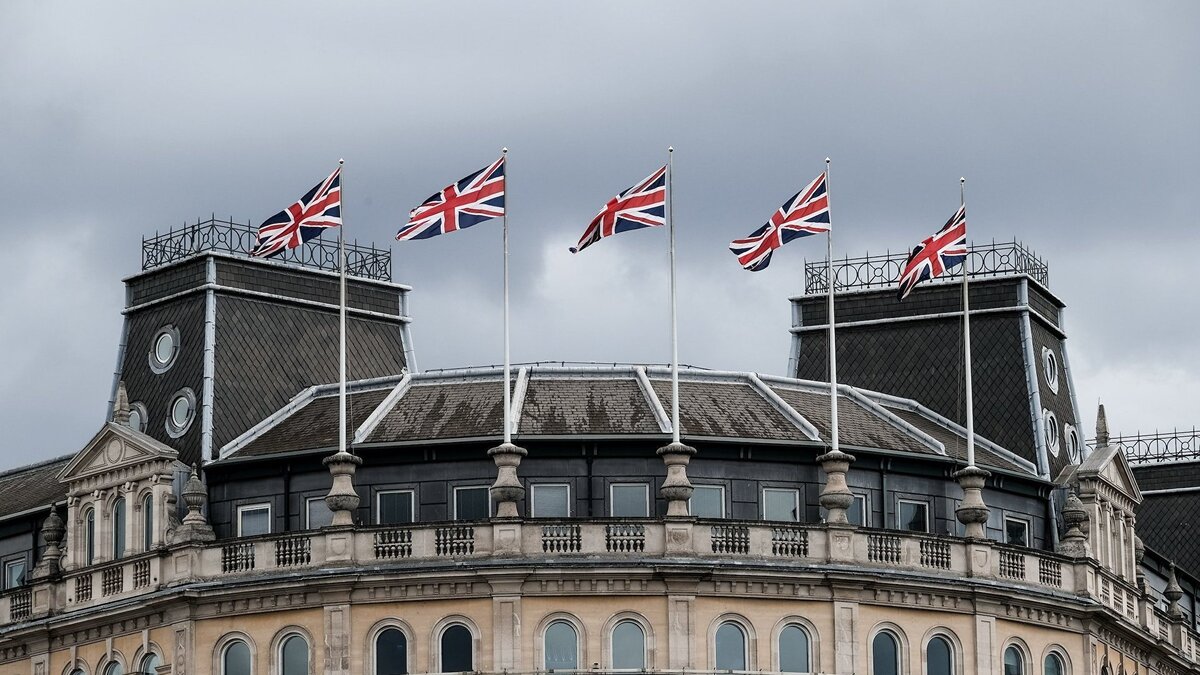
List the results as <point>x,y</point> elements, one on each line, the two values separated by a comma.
<point>211,527</point>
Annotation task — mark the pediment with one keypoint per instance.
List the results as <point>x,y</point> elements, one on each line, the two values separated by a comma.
<point>115,447</point>
<point>1109,466</point>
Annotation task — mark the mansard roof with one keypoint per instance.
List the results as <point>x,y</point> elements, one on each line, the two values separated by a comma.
<point>551,402</point>
<point>32,487</point>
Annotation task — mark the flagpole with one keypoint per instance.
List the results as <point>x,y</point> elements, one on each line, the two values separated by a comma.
<point>507,363</point>
<point>962,200</point>
<point>342,313</point>
<point>674,321</point>
<point>833,388</point>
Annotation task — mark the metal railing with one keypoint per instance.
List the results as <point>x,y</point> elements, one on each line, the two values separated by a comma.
<point>880,271</point>
<point>229,237</point>
<point>1167,446</point>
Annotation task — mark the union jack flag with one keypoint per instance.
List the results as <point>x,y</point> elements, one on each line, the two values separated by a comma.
<point>460,205</point>
<point>807,212</point>
<point>937,254</point>
<point>643,205</point>
<point>317,210</point>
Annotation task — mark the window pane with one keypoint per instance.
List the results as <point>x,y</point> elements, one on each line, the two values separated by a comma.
<point>1016,532</point>
<point>780,505</point>
<point>1014,664</point>
<point>114,668</point>
<point>391,653</point>
<point>118,529</point>
<point>395,508</point>
<point>551,501</point>
<point>630,501</point>
<point>1053,665</point>
<point>857,513</point>
<point>150,664</point>
<point>562,649</point>
<point>148,523</point>
<point>254,520</point>
<point>90,544</point>
<point>885,655</point>
<point>628,647</point>
<point>708,501</point>
<point>456,650</point>
<point>295,656</point>
<point>731,647</point>
<point>471,503</point>
<point>319,514</point>
<point>913,517</point>
<point>793,650</point>
<point>938,653</point>
<point>14,573</point>
<point>237,659</point>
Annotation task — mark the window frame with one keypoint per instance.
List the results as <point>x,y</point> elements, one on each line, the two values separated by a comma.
<point>860,500</point>
<point>952,648</point>
<point>810,647</point>
<point>242,508</point>
<point>896,640</point>
<point>11,562</point>
<point>282,643</point>
<point>747,661</point>
<point>373,643</point>
<point>919,502</point>
<point>458,488</point>
<point>89,535</point>
<point>147,506</point>
<point>119,532</point>
<point>533,500</point>
<point>308,512</point>
<point>611,634</point>
<point>545,635</point>
<point>795,500</point>
<point>226,642</point>
<point>1021,654</point>
<point>612,502</point>
<point>718,487</point>
<point>412,504</point>
<point>1028,530</point>
<point>440,631</point>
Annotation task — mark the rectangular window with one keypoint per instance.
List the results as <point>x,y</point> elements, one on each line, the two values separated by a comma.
<point>781,504</point>
<point>14,573</point>
<point>629,500</point>
<point>254,519</point>
<point>394,507</point>
<point>1016,531</point>
<point>708,501</point>
<point>912,516</point>
<point>857,513</point>
<point>317,513</point>
<point>551,501</point>
<point>472,503</point>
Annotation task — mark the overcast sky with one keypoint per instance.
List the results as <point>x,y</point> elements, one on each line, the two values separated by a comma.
<point>1074,123</point>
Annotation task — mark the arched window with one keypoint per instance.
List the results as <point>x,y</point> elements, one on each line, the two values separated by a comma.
<point>147,522</point>
<point>89,536</point>
<point>118,529</point>
<point>293,655</point>
<point>628,646</point>
<point>562,646</point>
<point>1014,661</point>
<point>391,652</point>
<point>236,659</point>
<point>457,650</point>
<point>114,668</point>
<point>939,656</point>
<point>78,671</point>
<point>730,647</point>
<point>885,654</point>
<point>150,663</point>
<point>793,649</point>
<point>1054,665</point>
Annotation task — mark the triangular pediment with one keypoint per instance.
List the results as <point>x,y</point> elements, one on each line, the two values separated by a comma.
<point>1109,466</point>
<point>114,447</point>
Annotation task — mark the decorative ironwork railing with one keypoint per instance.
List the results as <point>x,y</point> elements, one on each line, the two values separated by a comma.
<point>879,271</point>
<point>1167,446</point>
<point>237,238</point>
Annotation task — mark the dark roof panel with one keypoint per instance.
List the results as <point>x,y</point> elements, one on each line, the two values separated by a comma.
<point>316,424</point>
<point>955,444</point>
<point>33,486</point>
<point>577,406</point>
<point>1168,524</point>
<point>444,410</point>
<point>732,410</point>
<point>856,425</point>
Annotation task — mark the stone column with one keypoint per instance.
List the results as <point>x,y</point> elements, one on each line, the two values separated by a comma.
<point>972,512</point>
<point>342,498</point>
<point>53,531</point>
<point>836,496</point>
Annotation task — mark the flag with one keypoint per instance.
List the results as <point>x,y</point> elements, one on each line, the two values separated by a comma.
<point>807,212</point>
<point>937,254</point>
<point>317,210</point>
<point>643,205</point>
<point>460,205</point>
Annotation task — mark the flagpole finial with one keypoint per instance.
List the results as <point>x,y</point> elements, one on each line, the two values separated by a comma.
<point>504,150</point>
<point>670,148</point>
<point>962,179</point>
<point>826,160</point>
<point>341,162</point>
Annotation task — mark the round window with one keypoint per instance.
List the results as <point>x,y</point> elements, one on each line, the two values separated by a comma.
<point>181,412</point>
<point>1072,437</point>
<point>1051,422</point>
<point>164,348</point>
<point>137,416</point>
<point>1050,368</point>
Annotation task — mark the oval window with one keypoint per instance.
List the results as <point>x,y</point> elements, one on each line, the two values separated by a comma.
<point>1052,438</point>
<point>137,416</point>
<point>164,348</point>
<point>1072,437</point>
<point>1050,368</point>
<point>181,412</point>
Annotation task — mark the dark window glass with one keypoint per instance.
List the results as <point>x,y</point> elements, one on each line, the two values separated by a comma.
<point>391,653</point>
<point>781,505</point>
<point>148,522</point>
<point>938,655</point>
<point>90,544</point>
<point>471,503</point>
<point>551,501</point>
<point>857,513</point>
<point>1053,665</point>
<point>885,655</point>
<point>237,659</point>
<point>562,646</point>
<point>1016,532</point>
<point>793,650</point>
<point>150,664</point>
<point>295,656</point>
<point>319,514</point>
<point>913,516</point>
<point>118,531</point>
<point>395,508</point>
<point>254,520</point>
<point>708,501</point>
<point>630,501</point>
<point>14,573</point>
<point>114,668</point>
<point>457,656</point>
<point>1014,662</point>
<point>628,647</point>
<point>731,647</point>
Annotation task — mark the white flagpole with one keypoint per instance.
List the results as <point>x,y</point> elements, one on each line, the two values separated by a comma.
<point>674,326</point>
<point>833,387</point>
<point>962,196</point>
<point>507,364</point>
<point>342,316</point>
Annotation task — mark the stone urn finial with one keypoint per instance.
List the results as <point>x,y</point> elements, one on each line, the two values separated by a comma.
<point>121,405</point>
<point>972,512</point>
<point>53,532</point>
<point>342,498</point>
<point>1075,519</point>
<point>676,489</point>
<point>507,490</point>
<point>1173,594</point>
<point>194,528</point>
<point>836,496</point>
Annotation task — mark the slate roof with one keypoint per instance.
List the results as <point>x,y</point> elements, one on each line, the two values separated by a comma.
<point>1170,522</point>
<point>620,401</point>
<point>31,487</point>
